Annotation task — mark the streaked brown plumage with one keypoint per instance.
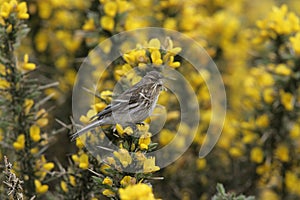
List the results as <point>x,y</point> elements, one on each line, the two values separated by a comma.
<point>133,106</point>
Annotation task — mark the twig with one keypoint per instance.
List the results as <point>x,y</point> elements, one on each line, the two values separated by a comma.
<point>48,85</point>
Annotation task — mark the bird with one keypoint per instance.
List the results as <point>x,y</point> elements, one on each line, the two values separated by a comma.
<point>131,107</point>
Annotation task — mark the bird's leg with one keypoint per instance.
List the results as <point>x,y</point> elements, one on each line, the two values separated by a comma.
<point>140,123</point>
<point>133,126</point>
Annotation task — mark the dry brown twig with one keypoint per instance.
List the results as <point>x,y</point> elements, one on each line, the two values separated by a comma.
<point>13,183</point>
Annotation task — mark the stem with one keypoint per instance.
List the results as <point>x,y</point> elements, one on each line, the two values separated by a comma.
<point>17,116</point>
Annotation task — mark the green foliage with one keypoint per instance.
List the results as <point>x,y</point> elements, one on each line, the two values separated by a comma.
<point>223,195</point>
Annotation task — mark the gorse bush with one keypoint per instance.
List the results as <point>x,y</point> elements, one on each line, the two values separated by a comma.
<point>255,46</point>
<point>22,115</point>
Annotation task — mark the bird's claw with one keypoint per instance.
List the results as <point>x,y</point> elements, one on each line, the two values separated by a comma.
<point>140,123</point>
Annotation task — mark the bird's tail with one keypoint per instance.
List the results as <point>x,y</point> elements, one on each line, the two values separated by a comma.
<point>85,129</point>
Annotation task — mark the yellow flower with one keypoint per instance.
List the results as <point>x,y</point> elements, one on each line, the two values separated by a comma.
<point>133,22</point>
<point>89,25</point>
<point>99,106</point>
<point>22,11</point>
<point>27,65</point>
<point>201,163</point>
<point>1,134</point>
<point>62,62</point>
<point>171,50</point>
<point>2,70</point>
<point>268,194</point>
<point>19,144</point>
<point>84,119</point>
<point>119,129</point>
<point>144,141</point>
<point>129,58</point>
<point>34,133</point>
<point>283,70</point>
<point>64,186</point>
<point>149,165</point>
<point>104,168</point>
<point>106,95</point>
<point>287,100</point>
<point>139,156</point>
<point>263,169</point>
<point>41,40</point>
<point>48,166</point>
<point>292,182</point>
<point>235,152</point>
<point>140,56</point>
<point>295,131</point>
<point>262,121</point>
<point>34,150</point>
<point>80,142</point>
<point>282,153</point>
<point>107,23</point>
<point>173,115</point>
<point>154,45</point>
<point>295,41</point>
<point>41,113</point>
<point>108,193</point>
<point>170,23</point>
<point>249,137</point>
<point>268,95</point>
<point>156,57</point>
<point>91,113</point>
<point>122,70</point>
<point>9,29</point>
<point>107,181</point>
<point>83,161</point>
<point>110,8</point>
<point>28,103</point>
<point>265,79</point>
<point>111,161</point>
<point>123,156</point>
<point>5,10</point>
<point>39,188</point>
<point>42,122</point>
<point>127,180</point>
<point>139,191</point>
<point>72,180</point>
<point>256,155</point>
<point>4,84</point>
<point>173,64</point>
<point>123,6</point>
<point>75,158</point>
<point>43,167</point>
<point>128,130</point>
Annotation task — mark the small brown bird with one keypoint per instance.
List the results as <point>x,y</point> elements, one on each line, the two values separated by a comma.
<point>133,106</point>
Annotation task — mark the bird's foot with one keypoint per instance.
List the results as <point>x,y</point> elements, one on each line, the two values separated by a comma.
<point>140,123</point>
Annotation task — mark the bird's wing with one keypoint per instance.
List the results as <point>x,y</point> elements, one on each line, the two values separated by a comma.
<point>127,97</point>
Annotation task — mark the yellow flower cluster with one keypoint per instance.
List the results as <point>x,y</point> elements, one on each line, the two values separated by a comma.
<point>130,192</point>
<point>82,160</point>
<point>295,41</point>
<point>278,22</point>
<point>12,6</point>
<point>139,56</point>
